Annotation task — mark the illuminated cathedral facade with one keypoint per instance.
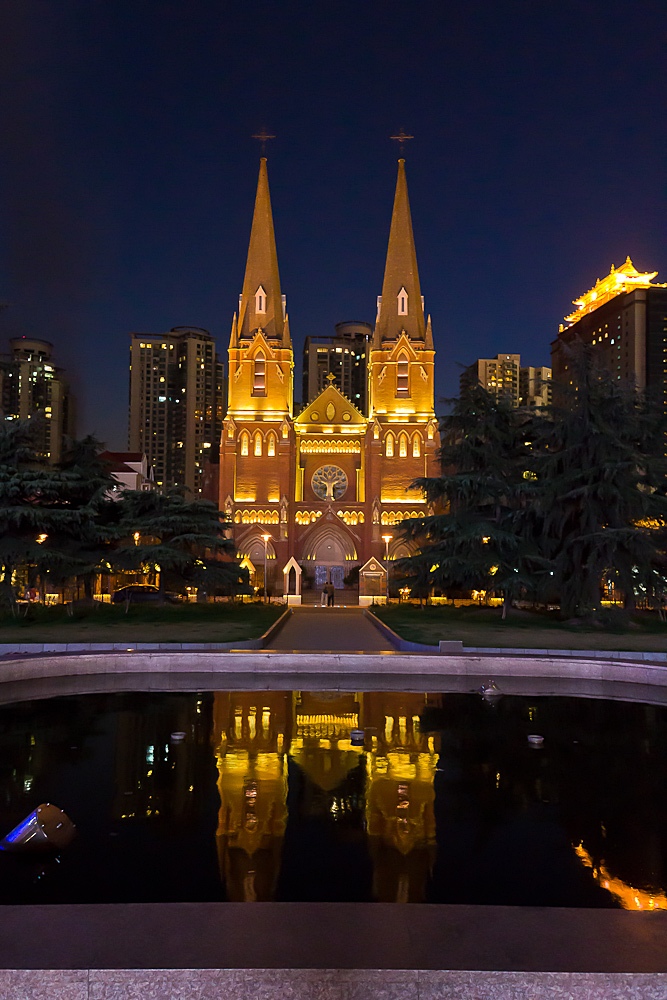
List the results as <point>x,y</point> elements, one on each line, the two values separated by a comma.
<point>318,491</point>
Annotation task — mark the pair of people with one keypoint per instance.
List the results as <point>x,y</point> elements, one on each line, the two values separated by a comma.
<point>328,592</point>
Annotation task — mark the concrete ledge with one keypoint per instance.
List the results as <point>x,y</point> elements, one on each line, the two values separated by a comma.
<point>259,663</point>
<point>367,936</point>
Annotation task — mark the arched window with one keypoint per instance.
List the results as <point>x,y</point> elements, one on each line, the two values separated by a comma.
<point>258,444</point>
<point>403,445</point>
<point>416,446</point>
<point>245,442</point>
<point>402,302</point>
<point>271,444</point>
<point>402,376</point>
<point>259,377</point>
<point>260,300</point>
<point>389,445</point>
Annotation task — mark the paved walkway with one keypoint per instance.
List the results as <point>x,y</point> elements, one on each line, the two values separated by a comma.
<point>345,629</point>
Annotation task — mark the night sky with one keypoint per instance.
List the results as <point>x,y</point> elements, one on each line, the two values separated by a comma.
<point>127,171</point>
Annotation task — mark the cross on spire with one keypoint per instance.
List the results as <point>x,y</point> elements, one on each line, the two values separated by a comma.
<point>401,138</point>
<point>263,137</point>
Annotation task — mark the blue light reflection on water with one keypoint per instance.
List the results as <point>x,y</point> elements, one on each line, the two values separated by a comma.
<point>267,799</point>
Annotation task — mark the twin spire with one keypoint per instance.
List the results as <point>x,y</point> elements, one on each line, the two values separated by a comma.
<point>262,306</point>
<point>400,307</point>
<point>261,302</point>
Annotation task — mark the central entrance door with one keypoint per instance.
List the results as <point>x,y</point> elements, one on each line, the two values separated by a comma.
<point>330,562</point>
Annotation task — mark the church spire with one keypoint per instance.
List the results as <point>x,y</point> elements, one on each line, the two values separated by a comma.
<point>401,305</point>
<point>261,301</point>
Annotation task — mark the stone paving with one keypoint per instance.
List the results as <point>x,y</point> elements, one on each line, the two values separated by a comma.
<point>325,984</point>
<point>331,629</point>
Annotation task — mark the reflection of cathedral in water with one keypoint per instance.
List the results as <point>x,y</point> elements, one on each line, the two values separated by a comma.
<point>299,803</point>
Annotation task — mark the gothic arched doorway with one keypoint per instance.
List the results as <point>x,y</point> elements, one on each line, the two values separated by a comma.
<point>330,549</point>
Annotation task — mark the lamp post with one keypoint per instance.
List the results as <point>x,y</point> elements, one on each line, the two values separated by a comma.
<point>266,589</point>
<point>386,539</point>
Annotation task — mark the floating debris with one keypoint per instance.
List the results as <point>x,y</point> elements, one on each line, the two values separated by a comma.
<point>46,827</point>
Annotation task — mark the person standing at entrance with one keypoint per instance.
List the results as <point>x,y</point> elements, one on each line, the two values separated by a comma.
<point>331,592</point>
<point>324,598</point>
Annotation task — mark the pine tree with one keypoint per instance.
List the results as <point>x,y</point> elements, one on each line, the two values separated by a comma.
<point>185,538</point>
<point>601,501</point>
<point>33,505</point>
<point>479,539</point>
<point>84,548</point>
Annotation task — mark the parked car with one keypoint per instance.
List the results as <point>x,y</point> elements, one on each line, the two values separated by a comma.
<point>142,593</point>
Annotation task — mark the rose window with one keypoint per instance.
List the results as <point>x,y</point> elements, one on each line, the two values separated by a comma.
<point>329,482</point>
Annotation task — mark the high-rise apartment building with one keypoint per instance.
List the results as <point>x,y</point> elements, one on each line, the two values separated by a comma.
<point>535,385</point>
<point>345,356</point>
<point>33,387</point>
<point>499,376</point>
<point>505,378</point>
<point>623,319</point>
<point>177,395</point>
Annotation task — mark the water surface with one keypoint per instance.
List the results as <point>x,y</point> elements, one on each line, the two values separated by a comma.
<point>266,798</point>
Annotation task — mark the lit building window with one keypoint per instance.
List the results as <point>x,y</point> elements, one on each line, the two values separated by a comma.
<point>259,377</point>
<point>416,446</point>
<point>258,444</point>
<point>403,445</point>
<point>271,445</point>
<point>389,445</point>
<point>245,441</point>
<point>402,376</point>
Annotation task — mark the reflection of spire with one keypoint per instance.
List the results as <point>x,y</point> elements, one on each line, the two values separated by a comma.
<point>627,895</point>
<point>400,796</point>
<point>249,733</point>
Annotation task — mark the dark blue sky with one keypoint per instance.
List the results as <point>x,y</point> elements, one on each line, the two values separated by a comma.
<point>128,174</point>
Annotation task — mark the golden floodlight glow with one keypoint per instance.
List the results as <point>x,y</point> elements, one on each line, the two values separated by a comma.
<point>619,280</point>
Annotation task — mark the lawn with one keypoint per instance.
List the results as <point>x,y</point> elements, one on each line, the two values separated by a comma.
<point>220,622</point>
<point>522,629</point>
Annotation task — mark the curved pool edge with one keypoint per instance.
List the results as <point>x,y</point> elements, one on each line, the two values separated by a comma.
<point>259,663</point>
<point>32,677</point>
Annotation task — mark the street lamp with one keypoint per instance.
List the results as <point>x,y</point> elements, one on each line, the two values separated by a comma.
<point>386,539</point>
<point>266,589</point>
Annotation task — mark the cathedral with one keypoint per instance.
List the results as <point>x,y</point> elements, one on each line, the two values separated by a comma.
<point>313,495</point>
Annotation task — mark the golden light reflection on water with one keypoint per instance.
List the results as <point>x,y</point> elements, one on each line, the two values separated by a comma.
<point>312,729</point>
<point>260,736</point>
<point>627,895</point>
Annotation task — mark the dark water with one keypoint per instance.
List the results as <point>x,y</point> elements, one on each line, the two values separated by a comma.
<point>267,800</point>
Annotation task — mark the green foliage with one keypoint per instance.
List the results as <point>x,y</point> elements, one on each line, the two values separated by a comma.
<point>83,548</point>
<point>183,538</point>
<point>547,504</point>
<point>33,504</point>
<point>67,522</point>
<point>478,539</point>
<point>601,467</point>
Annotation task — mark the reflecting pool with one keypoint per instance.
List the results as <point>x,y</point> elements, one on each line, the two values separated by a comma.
<point>267,798</point>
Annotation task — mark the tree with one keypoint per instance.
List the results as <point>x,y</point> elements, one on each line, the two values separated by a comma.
<point>183,537</point>
<point>32,505</point>
<point>479,539</point>
<point>84,548</point>
<point>601,503</point>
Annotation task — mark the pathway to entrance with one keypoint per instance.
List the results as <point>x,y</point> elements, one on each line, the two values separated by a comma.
<point>313,628</point>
